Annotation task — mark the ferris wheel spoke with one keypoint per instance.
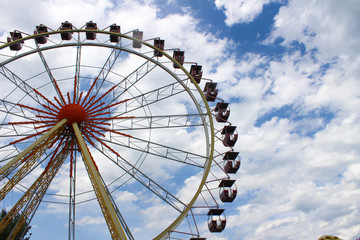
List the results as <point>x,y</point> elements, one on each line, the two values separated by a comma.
<point>51,77</point>
<point>160,150</point>
<point>77,70</point>
<point>142,178</point>
<point>20,83</point>
<point>106,69</point>
<point>151,97</point>
<point>154,122</point>
<point>132,79</point>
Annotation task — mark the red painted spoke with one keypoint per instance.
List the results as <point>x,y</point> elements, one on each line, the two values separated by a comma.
<point>103,143</point>
<point>55,154</point>
<point>44,126</point>
<point>97,122</point>
<point>99,114</point>
<point>92,98</point>
<point>109,106</point>
<point>35,109</point>
<point>111,118</point>
<point>81,94</point>
<point>57,87</point>
<point>94,130</point>
<point>97,100</point>
<point>57,100</point>
<point>69,99</point>
<point>88,93</point>
<point>94,108</point>
<point>109,130</point>
<point>40,116</point>
<point>30,122</point>
<point>30,136</point>
<point>52,104</point>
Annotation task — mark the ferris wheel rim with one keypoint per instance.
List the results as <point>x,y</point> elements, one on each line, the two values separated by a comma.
<point>211,147</point>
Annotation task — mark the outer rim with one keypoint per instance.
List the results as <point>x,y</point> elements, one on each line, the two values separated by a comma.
<point>207,168</point>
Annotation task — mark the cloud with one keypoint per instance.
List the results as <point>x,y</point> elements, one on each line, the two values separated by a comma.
<point>327,26</point>
<point>87,220</point>
<point>242,11</point>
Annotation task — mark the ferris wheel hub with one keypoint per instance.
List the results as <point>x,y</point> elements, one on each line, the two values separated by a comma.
<point>73,113</point>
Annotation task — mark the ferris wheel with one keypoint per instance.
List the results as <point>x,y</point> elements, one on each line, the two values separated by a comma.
<point>100,122</point>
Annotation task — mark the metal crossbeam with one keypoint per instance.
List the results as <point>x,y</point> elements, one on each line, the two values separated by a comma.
<point>105,70</point>
<point>20,83</point>
<point>49,72</point>
<point>153,122</point>
<point>161,150</point>
<point>151,97</point>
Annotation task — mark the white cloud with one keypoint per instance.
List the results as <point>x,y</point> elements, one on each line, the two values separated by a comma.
<point>327,26</point>
<point>87,220</point>
<point>241,11</point>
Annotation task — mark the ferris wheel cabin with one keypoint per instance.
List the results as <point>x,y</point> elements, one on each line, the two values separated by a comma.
<point>41,29</point>
<point>196,72</point>
<point>223,113</point>
<point>216,220</point>
<point>115,29</point>
<point>231,162</point>
<point>15,35</point>
<point>66,26</point>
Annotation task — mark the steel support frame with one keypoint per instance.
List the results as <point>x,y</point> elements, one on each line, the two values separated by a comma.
<point>116,230</point>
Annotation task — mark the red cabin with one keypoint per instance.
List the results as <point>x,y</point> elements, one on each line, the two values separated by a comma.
<point>231,162</point>
<point>179,56</point>
<point>15,36</point>
<point>137,35</point>
<point>66,26</point>
<point>160,44</point>
<point>196,72</point>
<point>228,190</point>
<point>41,29</point>
<point>222,112</point>
<point>230,137</point>
<point>210,91</point>
<point>91,26</point>
<point>116,29</point>
<point>216,220</point>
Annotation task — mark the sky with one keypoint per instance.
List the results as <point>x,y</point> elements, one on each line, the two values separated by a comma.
<point>291,72</point>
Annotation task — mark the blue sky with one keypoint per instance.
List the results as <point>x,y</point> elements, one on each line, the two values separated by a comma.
<point>290,70</point>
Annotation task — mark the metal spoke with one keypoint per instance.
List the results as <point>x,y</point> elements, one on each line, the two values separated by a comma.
<point>77,68</point>
<point>142,178</point>
<point>51,77</point>
<point>154,122</point>
<point>20,83</point>
<point>126,83</point>
<point>107,67</point>
<point>160,150</point>
<point>153,96</point>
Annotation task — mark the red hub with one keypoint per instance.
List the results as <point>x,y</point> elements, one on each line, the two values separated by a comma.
<point>73,113</point>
